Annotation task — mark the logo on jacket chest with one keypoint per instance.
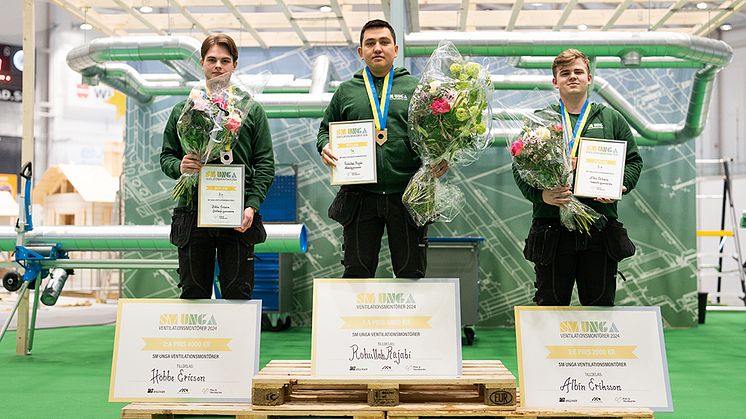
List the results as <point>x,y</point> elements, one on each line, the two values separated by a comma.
<point>399,96</point>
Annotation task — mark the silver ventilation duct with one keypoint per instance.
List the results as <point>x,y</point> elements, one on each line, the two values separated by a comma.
<point>652,133</point>
<point>321,75</point>
<point>181,53</point>
<point>608,62</point>
<point>594,44</point>
<point>646,49</point>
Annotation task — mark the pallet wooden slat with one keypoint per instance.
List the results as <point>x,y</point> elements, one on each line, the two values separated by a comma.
<point>283,381</point>
<point>243,411</point>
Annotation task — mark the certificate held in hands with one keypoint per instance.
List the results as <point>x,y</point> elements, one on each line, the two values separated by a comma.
<point>355,147</point>
<point>600,169</point>
<point>221,189</point>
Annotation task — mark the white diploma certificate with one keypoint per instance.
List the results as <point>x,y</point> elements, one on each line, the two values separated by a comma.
<point>386,327</point>
<point>354,145</point>
<point>220,195</point>
<point>185,350</point>
<point>571,357</point>
<point>600,168</point>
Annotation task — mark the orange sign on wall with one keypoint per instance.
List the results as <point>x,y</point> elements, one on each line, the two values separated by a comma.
<point>9,183</point>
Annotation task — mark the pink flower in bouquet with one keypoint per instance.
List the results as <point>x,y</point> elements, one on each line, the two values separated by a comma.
<point>440,106</point>
<point>220,102</point>
<point>233,125</point>
<point>516,148</point>
<point>557,127</point>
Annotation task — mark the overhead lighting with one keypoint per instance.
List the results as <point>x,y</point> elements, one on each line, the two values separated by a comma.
<point>537,4</point>
<point>726,27</point>
<point>325,9</point>
<point>145,9</point>
<point>85,26</point>
<point>701,5</point>
<point>582,27</point>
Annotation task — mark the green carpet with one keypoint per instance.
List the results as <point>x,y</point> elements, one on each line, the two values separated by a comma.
<point>68,374</point>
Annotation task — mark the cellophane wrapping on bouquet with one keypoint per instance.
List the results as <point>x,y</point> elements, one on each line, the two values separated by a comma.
<point>541,156</point>
<point>209,123</point>
<point>449,119</point>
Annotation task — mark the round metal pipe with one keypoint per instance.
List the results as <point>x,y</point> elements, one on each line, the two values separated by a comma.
<point>593,44</point>
<point>282,238</point>
<point>606,62</point>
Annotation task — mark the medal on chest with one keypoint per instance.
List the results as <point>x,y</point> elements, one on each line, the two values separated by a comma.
<point>380,108</point>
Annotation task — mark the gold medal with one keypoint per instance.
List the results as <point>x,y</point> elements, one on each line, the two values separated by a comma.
<point>381,136</point>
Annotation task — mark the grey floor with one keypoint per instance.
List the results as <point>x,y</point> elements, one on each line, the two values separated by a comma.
<point>69,311</point>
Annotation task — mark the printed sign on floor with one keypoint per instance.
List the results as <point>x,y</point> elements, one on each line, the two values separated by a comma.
<point>185,350</point>
<point>386,327</point>
<point>601,357</point>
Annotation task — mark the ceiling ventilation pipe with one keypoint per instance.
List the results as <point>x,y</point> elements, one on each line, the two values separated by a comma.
<point>593,44</point>
<point>181,53</point>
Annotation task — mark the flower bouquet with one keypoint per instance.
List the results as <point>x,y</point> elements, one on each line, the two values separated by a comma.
<point>209,124</point>
<point>449,116</point>
<point>542,159</point>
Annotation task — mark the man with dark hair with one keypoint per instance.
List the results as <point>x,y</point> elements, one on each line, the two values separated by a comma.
<point>562,257</point>
<point>235,247</point>
<point>364,210</point>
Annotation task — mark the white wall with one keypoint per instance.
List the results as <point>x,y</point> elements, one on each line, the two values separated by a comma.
<point>724,137</point>
<point>82,121</point>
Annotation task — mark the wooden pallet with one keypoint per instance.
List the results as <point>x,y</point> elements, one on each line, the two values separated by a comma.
<point>416,411</point>
<point>240,411</point>
<point>485,382</point>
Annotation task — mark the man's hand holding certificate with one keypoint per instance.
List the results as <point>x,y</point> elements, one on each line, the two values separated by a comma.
<point>353,143</point>
<point>600,168</point>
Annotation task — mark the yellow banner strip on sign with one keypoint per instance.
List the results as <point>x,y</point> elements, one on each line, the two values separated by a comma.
<point>221,188</point>
<point>591,352</point>
<point>352,144</point>
<point>187,344</point>
<point>386,322</point>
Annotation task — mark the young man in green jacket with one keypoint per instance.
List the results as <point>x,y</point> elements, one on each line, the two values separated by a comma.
<point>235,247</point>
<point>364,210</point>
<point>562,257</point>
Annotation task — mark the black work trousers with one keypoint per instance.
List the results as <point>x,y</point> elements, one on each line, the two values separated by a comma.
<point>368,214</point>
<point>562,258</point>
<point>197,248</point>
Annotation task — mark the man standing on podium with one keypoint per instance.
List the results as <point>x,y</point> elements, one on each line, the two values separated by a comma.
<point>562,257</point>
<point>364,210</point>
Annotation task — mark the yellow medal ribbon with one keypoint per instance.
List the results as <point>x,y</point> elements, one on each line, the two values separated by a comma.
<point>380,109</point>
<point>574,134</point>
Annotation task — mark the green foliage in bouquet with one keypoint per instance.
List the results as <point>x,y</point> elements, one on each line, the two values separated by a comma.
<point>449,119</point>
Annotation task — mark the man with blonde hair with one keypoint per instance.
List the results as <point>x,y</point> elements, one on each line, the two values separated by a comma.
<point>562,257</point>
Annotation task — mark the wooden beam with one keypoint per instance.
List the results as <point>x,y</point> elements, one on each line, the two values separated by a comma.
<point>188,15</point>
<point>129,9</point>
<point>671,10</point>
<point>413,14</point>
<point>517,7</point>
<point>719,18</point>
<point>463,15</point>
<point>565,14</point>
<point>244,23</point>
<point>342,23</point>
<point>292,22</point>
<point>27,150</point>
<point>623,6</point>
<point>88,17</point>
<point>386,6</point>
